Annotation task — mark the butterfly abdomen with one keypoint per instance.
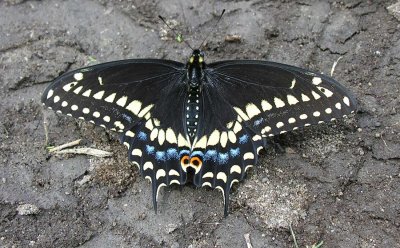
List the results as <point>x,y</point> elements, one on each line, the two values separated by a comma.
<point>192,111</point>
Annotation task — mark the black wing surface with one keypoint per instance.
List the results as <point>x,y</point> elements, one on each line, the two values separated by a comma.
<point>247,101</point>
<point>143,99</point>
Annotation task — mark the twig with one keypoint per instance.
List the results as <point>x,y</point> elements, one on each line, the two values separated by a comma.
<point>294,236</point>
<point>87,151</point>
<point>334,65</point>
<point>46,130</point>
<point>248,241</point>
<point>69,144</point>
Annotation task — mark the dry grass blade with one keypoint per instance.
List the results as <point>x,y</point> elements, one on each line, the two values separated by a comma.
<point>87,151</point>
<point>66,145</point>
<point>248,241</point>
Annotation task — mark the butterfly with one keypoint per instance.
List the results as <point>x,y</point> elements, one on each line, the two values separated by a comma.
<point>197,122</point>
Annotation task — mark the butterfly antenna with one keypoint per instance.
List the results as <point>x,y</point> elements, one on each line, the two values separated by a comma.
<point>178,36</point>
<point>212,30</point>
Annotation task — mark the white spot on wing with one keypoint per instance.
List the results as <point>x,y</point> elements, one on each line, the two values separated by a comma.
<point>208,175</point>
<point>248,167</point>
<point>316,114</point>
<point>315,95</point>
<point>50,94</point>
<point>96,114</point>
<point>122,101</point>
<point>292,120</point>
<point>237,127</point>
<point>137,152</point>
<point>158,189</point>
<point>77,90</point>
<point>337,105</point>
<point>278,102</point>
<point>316,80</point>
<point>279,124</point>
<point>293,83</point>
<point>161,137</point>
<point>248,155</point>
<point>148,165</point>
<point>266,130</point>
<point>173,172</point>
<point>119,125</point>
<point>99,95</point>
<point>100,80</point>
<point>224,139</point>
<point>170,136</point>
<point>292,100</point>
<point>106,118</point>
<point>134,107</point>
<point>69,86</point>
<point>130,134</point>
<point>252,110</point>
<point>206,184</point>
<point>154,134</point>
<point>214,138</point>
<point>160,173</point>
<point>78,76</point>
<point>110,98</point>
<point>325,91</point>
<point>236,169</point>
<point>328,110</point>
<point>56,99</point>
<point>64,104</point>
<point>305,98</point>
<point>202,143</point>
<point>241,113</point>
<point>346,101</point>
<point>232,137</point>
<point>74,107</point>
<point>265,105</point>
<point>87,93</point>
<point>222,176</point>
<point>182,141</point>
<point>303,116</point>
<point>145,110</point>
<point>149,125</point>
<point>86,110</point>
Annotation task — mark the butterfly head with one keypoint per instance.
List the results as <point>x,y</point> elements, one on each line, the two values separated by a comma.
<point>197,58</point>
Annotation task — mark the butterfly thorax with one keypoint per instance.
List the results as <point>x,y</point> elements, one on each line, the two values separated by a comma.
<point>195,77</point>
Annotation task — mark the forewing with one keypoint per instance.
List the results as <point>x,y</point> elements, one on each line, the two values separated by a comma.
<point>274,98</point>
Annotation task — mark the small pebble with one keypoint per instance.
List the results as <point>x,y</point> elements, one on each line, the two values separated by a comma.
<point>359,129</point>
<point>377,135</point>
<point>175,245</point>
<point>264,179</point>
<point>27,209</point>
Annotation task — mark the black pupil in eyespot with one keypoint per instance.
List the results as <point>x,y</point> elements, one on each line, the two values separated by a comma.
<point>195,162</point>
<point>186,161</point>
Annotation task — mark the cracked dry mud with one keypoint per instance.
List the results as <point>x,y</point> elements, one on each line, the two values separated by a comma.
<point>338,183</point>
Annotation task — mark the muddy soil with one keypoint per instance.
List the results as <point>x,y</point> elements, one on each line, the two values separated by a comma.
<point>337,183</point>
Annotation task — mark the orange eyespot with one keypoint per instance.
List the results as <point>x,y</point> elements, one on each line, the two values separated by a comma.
<point>185,160</point>
<point>195,161</point>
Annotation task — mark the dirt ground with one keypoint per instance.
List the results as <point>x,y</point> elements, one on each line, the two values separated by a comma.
<point>337,183</point>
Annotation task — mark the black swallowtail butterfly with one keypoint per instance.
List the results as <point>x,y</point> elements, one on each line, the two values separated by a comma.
<point>197,122</point>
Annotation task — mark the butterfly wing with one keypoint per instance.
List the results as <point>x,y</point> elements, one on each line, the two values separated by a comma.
<point>274,98</point>
<point>246,101</point>
<point>143,99</point>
